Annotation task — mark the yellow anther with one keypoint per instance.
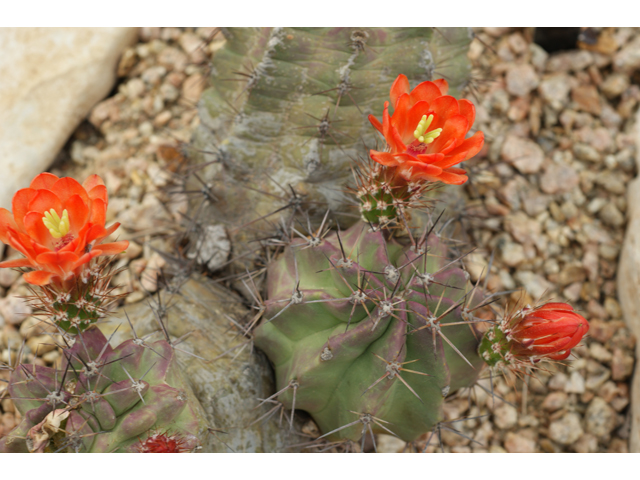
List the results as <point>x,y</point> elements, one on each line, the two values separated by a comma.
<point>420,132</point>
<point>58,227</point>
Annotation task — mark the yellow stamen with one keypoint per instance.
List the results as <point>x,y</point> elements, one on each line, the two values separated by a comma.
<point>58,227</point>
<point>420,132</point>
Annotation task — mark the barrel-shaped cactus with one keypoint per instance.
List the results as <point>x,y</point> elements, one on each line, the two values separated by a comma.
<point>367,333</point>
<point>104,399</point>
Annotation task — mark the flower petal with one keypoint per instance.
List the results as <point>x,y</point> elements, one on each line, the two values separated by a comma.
<point>18,263</point>
<point>453,176</point>
<point>78,213</point>
<point>91,182</point>
<point>99,191</point>
<point>470,146</point>
<point>426,92</point>
<point>443,108</point>
<point>6,222</point>
<point>385,158</point>
<point>43,201</point>
<point>44,180</point>
<point>468,110</point>
<point>400,118</point>
<point>399,87</point>
<point>98,212</point>
<point>413,170</point>
<point>376,123</point>
<point>442,84</point>
<point>67,187</point>
<point>39,277</point>
<point>454,128</point>
<point>113,248</point>
<point>20,205</point>
<point>37,230</point>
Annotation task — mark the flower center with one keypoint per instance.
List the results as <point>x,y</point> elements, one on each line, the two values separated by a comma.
<point>421,133</point>
<point>58,227</point>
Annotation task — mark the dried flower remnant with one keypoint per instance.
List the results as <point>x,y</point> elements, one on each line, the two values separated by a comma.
<point>163,443</point>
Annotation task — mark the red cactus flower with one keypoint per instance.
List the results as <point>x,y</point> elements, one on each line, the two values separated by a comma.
<point>550,331</point>
<point>58,224</point>
<point>426,133</point>
<point>162,443</point>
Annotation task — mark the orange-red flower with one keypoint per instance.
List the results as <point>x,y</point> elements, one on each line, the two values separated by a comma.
<point>58,224</point>
<point>426,133</point>
<point>550,331</point>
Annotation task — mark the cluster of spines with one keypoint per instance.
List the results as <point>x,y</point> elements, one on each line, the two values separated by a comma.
<point>84,305</point>
<point>386,201</point>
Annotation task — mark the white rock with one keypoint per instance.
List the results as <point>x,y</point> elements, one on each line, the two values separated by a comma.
<point>628,286</point>
<point>51,78</point>
<point>212,248</point>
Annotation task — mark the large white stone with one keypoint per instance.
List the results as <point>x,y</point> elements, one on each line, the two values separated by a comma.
<point>49,80</point>
<point>629,289</point>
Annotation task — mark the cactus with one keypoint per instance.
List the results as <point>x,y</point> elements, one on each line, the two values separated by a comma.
<point>365,332</point>
<point>104,399</point>
<point>283,120</point>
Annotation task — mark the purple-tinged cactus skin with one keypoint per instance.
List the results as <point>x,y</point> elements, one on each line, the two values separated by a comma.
<point>369,335</point>
<point>105,399</point>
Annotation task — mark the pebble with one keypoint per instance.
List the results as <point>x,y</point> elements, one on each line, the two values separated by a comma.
<point>587,443</point>
<point>599,352</point>
<point>193,87</point>
<point>600,418</point>
<point>513,254</point>
<point>41,344</point>
<point>522,153</point>
<point>610,215</point>
<point>621,365</point>
<point>575,60</point>
<point>628,58</point>
<point>14,309</point>
<point>173,59</point>
<point>521,79</point>
<point>389,444</point>
<point>554,401</point>
<point>517,443</point>
<point>505,416</point>
<point>559,179</point>
<point>587,99</point>
<point>212,248</point>
<point>575,383</point>
<point>567,429</point>
<point>533,283</point>
<point>614,85</point>
<point>582,151</point>
<point>554,90</point>
<point>558,381</point>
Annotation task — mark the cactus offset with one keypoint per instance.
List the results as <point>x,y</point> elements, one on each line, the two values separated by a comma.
<point>104,399</point>
<point>358,323</point>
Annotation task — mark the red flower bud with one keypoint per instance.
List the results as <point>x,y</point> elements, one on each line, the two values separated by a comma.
<point>426,133</point>
<point>548,332</point>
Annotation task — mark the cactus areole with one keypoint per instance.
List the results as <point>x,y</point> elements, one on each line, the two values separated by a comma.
<point>368,335</point>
